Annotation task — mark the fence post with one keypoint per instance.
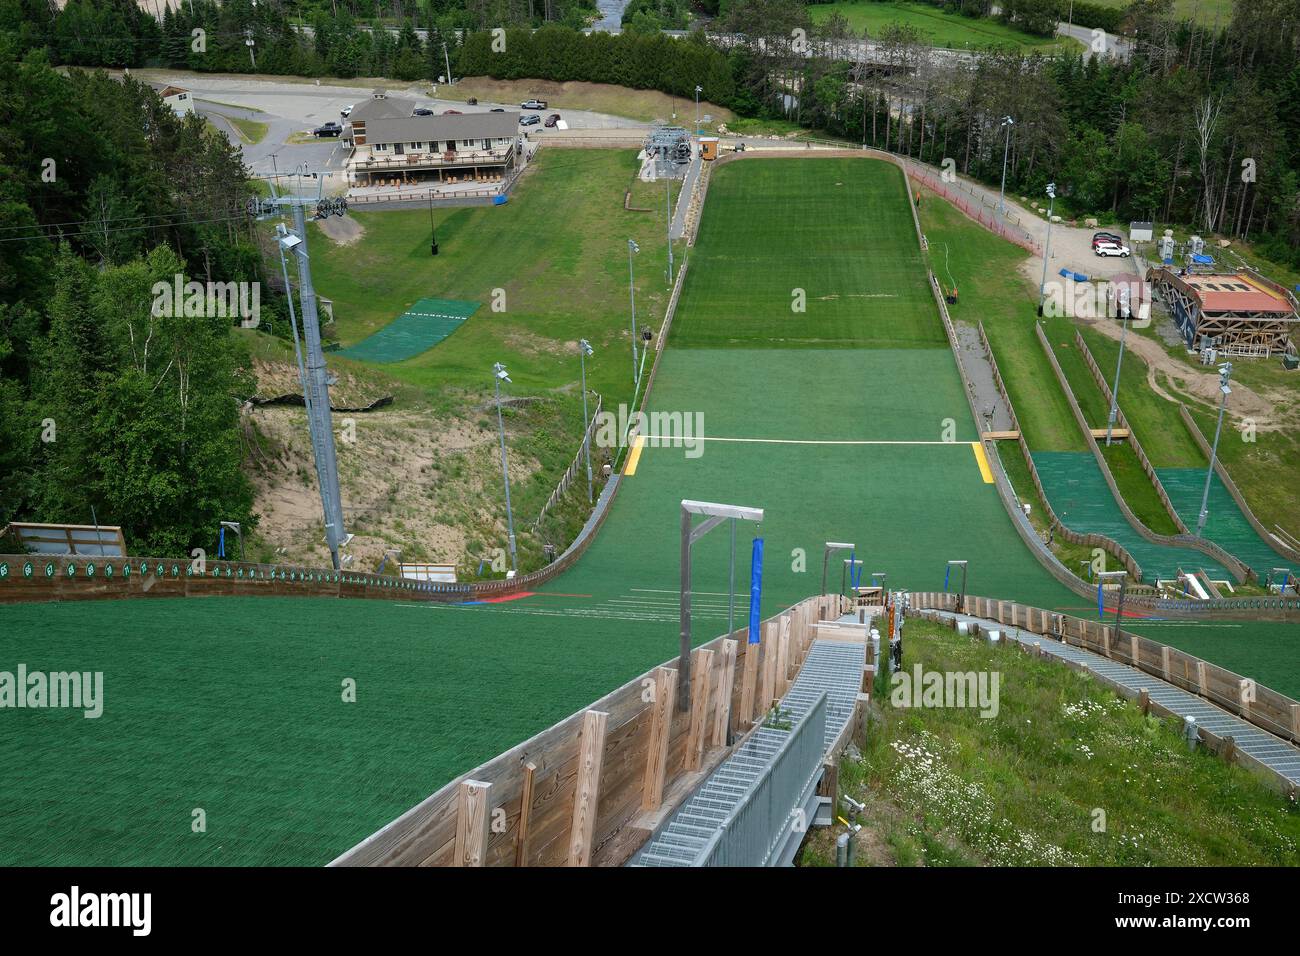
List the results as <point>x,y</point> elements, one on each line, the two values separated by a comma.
<point>472,823</point>
<point>702,668</point>
<point>591,756</point>
<point>749,682</point>
<point>726,681</point>
<point>661,718</point>
<point>525,815</point>
<point>770,654</point>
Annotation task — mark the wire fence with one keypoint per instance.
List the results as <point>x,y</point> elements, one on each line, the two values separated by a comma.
<point>573,470</point>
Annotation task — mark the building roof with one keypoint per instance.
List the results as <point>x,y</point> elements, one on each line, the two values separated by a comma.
<point>381,107</point>
<point>422,129</point>
<point>1235,293</point>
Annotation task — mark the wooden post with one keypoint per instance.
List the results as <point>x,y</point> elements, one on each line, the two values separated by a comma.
<point>1164,662</point>
<point>1144,701</point>
<point>661,721</point>
<point>868,678</point>
<point>1245,690</point>
<point>1229,749</point>
<point>1201,682</point>
<point>783,663</point>
<point>770,651</point>
<point>1105,640</point>
<point>591,755</point>
<point>1133,650</point>
<point>726,681</point>
<point>749,683</point>
<point>1295,721</point>
<point>472,823</point>
<point>703,667</point>
<point>525,815</point>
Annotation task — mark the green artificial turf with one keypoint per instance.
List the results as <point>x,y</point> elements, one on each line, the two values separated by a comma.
<point>814,253</point>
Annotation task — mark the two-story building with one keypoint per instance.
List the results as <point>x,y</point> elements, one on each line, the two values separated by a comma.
<point>392,147</point>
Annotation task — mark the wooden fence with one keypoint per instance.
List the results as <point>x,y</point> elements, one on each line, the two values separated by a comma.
<point>575,466</point>
<point>589,790</point>
<point>1265,708</point>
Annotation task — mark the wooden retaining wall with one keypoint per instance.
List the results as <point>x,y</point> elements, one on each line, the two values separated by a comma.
<point>1253,702</point>
<point>589,789</point>
<point>1122,421</point>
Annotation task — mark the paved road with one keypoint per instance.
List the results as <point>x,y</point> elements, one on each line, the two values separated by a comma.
<point>291,108</point>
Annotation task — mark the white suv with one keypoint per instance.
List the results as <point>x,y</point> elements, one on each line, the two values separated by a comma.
<point>1111,249</point>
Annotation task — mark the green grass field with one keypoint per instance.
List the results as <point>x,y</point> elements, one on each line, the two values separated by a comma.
<point>944,786</point>
<point>1205,12</point>
<point>937,27</point>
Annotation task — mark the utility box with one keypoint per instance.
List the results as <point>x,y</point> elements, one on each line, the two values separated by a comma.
<point>708,147</point>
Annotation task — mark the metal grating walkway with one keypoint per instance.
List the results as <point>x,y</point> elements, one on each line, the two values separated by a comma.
<point>832,670</point>
<point>1263,746</point>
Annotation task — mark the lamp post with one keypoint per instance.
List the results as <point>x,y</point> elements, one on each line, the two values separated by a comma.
<point>1114,392</point>
<point>1008,122</point>
<point>585,349</point>
<point>698,91</point>
<point>1225,374</point>
<point>499,375</point>
<point>668,217</point>
<point>433,238</point>
<point>234,526</point>
<point>1123,585</point>
<point>1051,205</point>
<point>832,546</point>
<point>714,514</point>
<point>631,291</point>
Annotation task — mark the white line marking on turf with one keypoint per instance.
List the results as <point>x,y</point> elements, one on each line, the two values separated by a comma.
<point>805,441</point>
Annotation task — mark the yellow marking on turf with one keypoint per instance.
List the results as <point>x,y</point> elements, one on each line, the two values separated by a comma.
<point>634,457</point>
<point>983,462</point>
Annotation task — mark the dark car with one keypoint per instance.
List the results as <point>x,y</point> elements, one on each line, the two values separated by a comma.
<point>1107,237</point>
<point>423,111</point>
<point>532,119</point>
<point>497,109</point>
<point>329,129</point>
<point>552,120</point>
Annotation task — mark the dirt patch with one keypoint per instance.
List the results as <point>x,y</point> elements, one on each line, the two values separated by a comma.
<point>343,230</point>
<point>281,378</point>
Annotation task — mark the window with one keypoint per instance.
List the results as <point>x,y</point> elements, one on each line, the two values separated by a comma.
<point>381,147</point>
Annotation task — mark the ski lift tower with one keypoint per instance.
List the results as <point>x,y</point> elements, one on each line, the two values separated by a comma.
<point>311,372</point>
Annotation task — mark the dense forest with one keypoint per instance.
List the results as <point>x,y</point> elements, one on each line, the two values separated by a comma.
<point>106,409</point>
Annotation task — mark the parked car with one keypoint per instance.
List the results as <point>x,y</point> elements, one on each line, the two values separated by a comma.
<point>451,112</point>
<point>532,119</point>
<point>1107,249</point>
<point>1107,237</point>
<point>329,129</point>
<point>552,120</point>
<point>422,111</point>
<point>533,105</point>
<point>345,112</point>
<point>497,109</point>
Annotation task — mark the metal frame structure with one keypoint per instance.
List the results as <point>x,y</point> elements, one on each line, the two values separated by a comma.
<point>831,547</point>
<point>714,514</point>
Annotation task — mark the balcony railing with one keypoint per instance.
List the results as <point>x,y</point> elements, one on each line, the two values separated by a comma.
<point>425,160</point>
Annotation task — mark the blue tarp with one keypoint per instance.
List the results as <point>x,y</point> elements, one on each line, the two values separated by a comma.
<point>499,200</point>
<point>1203,260</point>
<point>755,590</point>
<point>1070,274</point>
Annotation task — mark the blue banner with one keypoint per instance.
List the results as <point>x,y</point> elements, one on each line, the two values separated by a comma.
<point>946,571</point>
<point>1101,601</point>
<point>755,590</point>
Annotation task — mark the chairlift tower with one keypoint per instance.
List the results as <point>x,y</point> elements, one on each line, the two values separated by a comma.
<point>314,375</point>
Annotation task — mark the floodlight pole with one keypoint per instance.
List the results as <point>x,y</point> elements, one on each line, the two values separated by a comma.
<point>317,385</point>
<point>1225,374</point>
<point>714,514</point>
<point>631,291</point>
<point>583,349</point>
<point>826,557</point>
<point>505,471</point>
<point>1008,122</point>
<point>1047,247</point>
<point>698,91</point>
<point>239,533</point>
<point>1114,392</point>
<point>668,214</point>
